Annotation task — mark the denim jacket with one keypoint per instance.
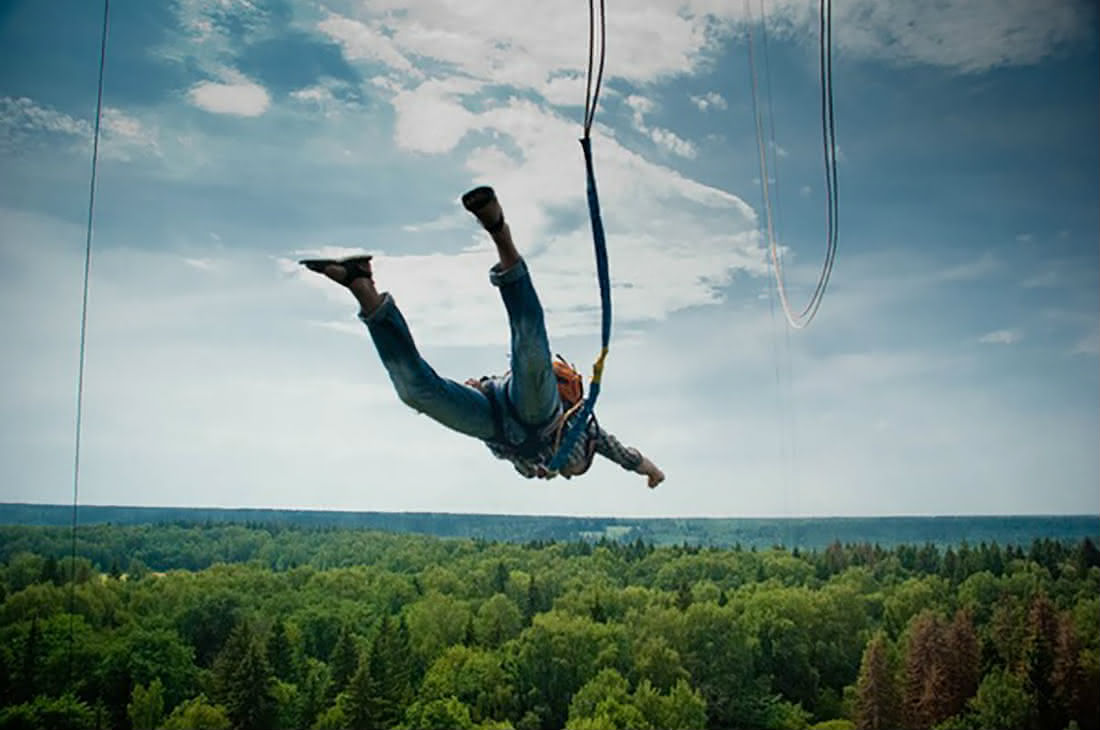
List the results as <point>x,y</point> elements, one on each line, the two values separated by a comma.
<point>512,434</point>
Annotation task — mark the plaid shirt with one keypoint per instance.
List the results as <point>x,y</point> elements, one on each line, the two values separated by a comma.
<point>579,459</point>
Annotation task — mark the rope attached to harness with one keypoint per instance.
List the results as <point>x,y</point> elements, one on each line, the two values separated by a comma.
<point>599,242</point>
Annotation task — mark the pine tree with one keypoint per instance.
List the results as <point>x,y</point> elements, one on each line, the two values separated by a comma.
<point>925,700</point>
<point>952,566</point>
<point>7,683</point>
<point>280,654</point>
<point>229,659</point>
<point>877,701</point>
<point>28,677</point>
<point>1037,664</point>
<point>599,615</point>
<point>51,571</point>
<point>1067,676</point>
<point>533,604</point>
<point>500,578</point>
<point>250,702</point>
<point>469,636</point>
<point>146,707</point>
<point>312,692</point>
<point>683,596</point>
<point>963,662</point>
<point>996,563</point>
<point>933,706</point>
<point>1087,556</point>
<point>360,700</point>
<point>343,661</point>
<point>390,665</point>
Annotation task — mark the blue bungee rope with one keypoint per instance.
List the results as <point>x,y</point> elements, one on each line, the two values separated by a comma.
<point>580,423</point>
<point>599,241</point>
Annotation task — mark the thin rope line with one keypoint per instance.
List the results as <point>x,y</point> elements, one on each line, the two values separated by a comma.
<point>779,404</point>
<point>773,175</point>
<point>832,135</point>
<point>592,96</point>
<point>591,55</point>
<point>829,145</point>
<point>84,323</point>
<point>603,57</point>
<point>783,399</point>
<point>829,142</point>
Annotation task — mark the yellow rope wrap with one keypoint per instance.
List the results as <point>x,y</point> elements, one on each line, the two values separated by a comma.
<point>597,369</point>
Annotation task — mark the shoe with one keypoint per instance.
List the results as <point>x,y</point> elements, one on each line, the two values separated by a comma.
<point>355,267</point>
<point>482,202</point>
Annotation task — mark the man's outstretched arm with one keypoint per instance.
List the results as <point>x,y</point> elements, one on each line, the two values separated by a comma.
<point>627,457</point>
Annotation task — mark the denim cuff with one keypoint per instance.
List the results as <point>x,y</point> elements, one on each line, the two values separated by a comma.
<point>380,311</point>
<point>500,277</point>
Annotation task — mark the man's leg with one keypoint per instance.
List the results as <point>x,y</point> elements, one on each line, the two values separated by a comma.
<point>533,389</point>
<point>457,406</point>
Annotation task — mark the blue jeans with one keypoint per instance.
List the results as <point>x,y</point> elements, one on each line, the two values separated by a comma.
<point>531,386</point>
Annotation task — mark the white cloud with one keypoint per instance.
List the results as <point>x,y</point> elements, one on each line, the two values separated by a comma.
<point>208,34</point>
<point>534,46</point>
<point>672,142</point>
<point>122,136</point>
<point>20,116</point>
<point>566,90</point>
<point>967,35</point>
<point>365,41</point>
<point>528,45</point>
<point>431,117</point>
<point>640,106</point>
<point>1002,337</point>
<point>709,100</point>
<point>242,98</point>
<point>651,214</point>
<point>327,97</point>
<point>318,95</point>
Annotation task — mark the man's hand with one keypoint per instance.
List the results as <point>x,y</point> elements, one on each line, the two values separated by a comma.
<point>650,470</point>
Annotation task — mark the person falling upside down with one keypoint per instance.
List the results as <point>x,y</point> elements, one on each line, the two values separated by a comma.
<point>521,416</point>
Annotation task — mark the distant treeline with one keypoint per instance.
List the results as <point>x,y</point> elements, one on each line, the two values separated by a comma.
<point>804,533</point>
<point>138,548</point>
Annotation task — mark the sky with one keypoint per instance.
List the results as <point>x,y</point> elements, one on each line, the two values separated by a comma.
<point>952,367</point>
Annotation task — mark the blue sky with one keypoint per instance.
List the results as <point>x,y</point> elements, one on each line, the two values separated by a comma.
<point>952,368</point>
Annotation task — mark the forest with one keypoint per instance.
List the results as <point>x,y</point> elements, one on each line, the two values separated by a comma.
<point>253,626</point>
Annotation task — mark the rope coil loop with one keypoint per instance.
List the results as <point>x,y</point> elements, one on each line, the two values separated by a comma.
<point>828,133</point>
